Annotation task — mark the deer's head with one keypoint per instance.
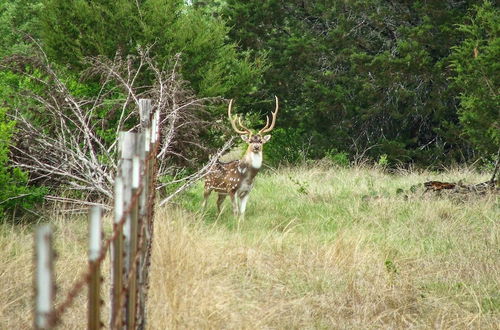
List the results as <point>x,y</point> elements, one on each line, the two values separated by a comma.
<point>255,141</point>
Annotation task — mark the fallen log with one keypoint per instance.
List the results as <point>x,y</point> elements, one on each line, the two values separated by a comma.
<point>480,188</point>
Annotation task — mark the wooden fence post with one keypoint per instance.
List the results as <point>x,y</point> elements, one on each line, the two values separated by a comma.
<point>117,256</point>
<point>94,291</point>
<point>45,287</point>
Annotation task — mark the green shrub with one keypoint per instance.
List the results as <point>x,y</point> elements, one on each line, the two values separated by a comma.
<point>15,193</point>
<point>340,158</point>
<point>286,146</point>
<point>383,161</point>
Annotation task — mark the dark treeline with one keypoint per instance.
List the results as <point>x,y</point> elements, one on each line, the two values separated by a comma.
<point>408,82</point>
<point>414,80</point>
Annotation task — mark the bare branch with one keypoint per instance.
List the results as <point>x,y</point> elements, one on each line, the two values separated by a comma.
<point>60,138</point>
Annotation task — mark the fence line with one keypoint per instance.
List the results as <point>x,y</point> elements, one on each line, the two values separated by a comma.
<point>129,243</point>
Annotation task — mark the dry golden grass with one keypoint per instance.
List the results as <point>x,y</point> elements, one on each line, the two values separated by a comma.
<point>209,278</point>
<point>320,248</point>
<point>331,249</point>
<point>17,266</point>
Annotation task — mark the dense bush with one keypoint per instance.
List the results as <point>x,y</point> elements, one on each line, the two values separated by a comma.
<point>15,194</point>
<point>477,77</point>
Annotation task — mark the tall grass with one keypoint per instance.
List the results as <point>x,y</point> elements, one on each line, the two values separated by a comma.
<point>70,239</point>
<point>320,247</point>
<point>326,247</point>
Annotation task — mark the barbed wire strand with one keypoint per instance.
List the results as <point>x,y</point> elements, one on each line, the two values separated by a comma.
<point>85,277</point>
<point>74,291</point>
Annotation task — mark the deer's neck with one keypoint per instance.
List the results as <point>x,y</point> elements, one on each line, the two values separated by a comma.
<point>253,160</point>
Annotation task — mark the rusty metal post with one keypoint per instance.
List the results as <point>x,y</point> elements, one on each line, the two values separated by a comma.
<point>117,256</point>
<point>144,152</point>
<point>44,281</point>
<point>94,291</point>
<point>146,211</point>
<point>127,150</point>
<point>134,237</point>
<point>151,144</point>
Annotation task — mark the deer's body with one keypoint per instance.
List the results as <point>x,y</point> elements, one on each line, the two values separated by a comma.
<point>236,178</point>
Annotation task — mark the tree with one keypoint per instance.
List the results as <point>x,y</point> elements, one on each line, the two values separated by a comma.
<point>74,30</point>
<point>358,75</point>
<point>477,78</point>
<point>18,19</point>
<point>71,150</point>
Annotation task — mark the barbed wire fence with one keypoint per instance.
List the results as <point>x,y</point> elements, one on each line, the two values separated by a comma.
<point>129,243</point>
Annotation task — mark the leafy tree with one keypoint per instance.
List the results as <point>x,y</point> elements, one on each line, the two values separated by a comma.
<point>358,75</point>
<point>74,30</point>
<point>18,19</point>
<point>477,77</point>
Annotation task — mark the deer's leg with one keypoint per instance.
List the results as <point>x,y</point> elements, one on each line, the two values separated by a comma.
<point>234,200</point>
<point>220,199</point>
<point>206,194</point>
<point>243,205</point>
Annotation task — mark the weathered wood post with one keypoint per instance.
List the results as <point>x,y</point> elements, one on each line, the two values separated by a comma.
<point>94,291</point>
<point>44,281</point>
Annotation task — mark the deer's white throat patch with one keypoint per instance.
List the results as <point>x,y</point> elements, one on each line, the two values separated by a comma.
<point>256,159</point>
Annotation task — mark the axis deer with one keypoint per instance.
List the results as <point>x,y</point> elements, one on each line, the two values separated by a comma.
<point>236,178</point>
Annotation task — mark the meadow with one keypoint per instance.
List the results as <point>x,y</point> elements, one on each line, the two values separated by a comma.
<point>320,247</point>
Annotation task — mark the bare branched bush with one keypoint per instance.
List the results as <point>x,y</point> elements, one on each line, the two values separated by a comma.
<point>66,137</point>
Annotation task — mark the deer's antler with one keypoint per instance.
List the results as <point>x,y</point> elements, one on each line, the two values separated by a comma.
<point>233,121</point>
<point>268,127</point>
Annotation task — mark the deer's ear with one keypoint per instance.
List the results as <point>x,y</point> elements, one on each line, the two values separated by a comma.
<point>266,138</point>
<point>245,138</point>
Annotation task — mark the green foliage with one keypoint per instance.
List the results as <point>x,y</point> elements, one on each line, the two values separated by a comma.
<point>74,30</point>
<point>71,30</point>
<point>14,191</point>
<point>477,77</point>
<point>285,146</point>
<point>355,76</point>
<point>18,19</point>
<point>383,161</point>
<point>338,158</point>
<point>359,73</point>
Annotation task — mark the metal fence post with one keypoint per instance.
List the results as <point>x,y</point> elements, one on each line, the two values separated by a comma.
<point>117,256</point>
<point>134,238</point>
<point>95,246</point>
<point>127,148</point>
<point>45,287</point>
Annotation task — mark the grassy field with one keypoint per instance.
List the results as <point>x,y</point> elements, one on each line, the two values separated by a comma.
<point>320,247</point>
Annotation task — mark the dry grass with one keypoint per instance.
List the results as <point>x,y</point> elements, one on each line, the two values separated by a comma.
<point>320,248</point>
<point>16,272</point>
<point>331,249</point>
